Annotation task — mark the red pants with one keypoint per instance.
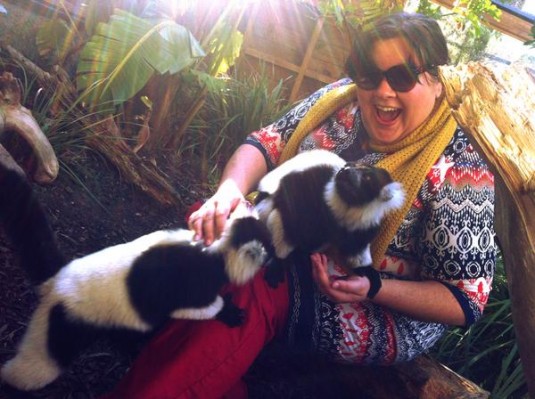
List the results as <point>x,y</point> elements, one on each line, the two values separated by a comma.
<point>206,359</point>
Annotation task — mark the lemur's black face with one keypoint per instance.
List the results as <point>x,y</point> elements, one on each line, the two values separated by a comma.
<point>360,184</point>
<point>248,229</point>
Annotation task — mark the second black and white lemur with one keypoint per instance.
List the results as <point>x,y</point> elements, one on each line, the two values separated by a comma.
<point>137,285</point>
<point>317,201</point>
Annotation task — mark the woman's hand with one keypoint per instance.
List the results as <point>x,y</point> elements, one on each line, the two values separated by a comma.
<point>209,220</point>
<point>352,289</point>
<point>242,173</point>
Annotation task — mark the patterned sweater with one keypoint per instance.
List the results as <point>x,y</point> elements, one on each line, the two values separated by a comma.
<point>447,236</point>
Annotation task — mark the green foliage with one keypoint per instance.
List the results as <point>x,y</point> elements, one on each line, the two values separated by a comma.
<point>428,8</point>
<point>359,14</point>
<point>464,47</point>
<point>52,41</point>
<point>223,41</point>
<point>469,14</point>
<point>487,352</point>
<point>234,107</point>
<point>126,52</point>
<point>531,42</point>
<point>225,46</point>
<point>126,57</point>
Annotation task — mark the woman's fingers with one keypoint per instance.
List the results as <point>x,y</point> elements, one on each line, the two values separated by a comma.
<point>204,222</point>
<point>319,270</point>
<point>209,221</point>
<point>350,289</point>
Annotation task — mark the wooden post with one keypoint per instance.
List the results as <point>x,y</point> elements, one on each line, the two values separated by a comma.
<point>495,105</point>
<point>306,59</point>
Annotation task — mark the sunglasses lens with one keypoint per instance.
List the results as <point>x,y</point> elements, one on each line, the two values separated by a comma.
<point>401,78</point>
<point>369,81</point>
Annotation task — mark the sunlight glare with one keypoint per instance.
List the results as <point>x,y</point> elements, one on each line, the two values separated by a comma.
<point>179,7</point>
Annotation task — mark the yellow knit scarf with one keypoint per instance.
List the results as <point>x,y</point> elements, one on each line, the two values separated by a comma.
<point>408,161</point>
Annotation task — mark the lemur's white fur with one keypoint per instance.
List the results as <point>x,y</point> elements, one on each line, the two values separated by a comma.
<point>206,313</point>
<point>391,197</point>
<point>33,367</point>
<point>242,264</point>
<point>274,222</point>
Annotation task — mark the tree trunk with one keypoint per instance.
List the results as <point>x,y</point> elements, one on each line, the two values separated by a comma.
<point>496,107</point>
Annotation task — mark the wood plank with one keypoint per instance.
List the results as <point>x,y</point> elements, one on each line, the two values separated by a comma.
<point>509,24</point>
<point>285,64</point>
<point>306,59</point>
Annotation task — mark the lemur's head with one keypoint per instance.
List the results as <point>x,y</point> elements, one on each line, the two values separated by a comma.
<point>360,195</point>
<point>358,184</point>
<point>246,247</point>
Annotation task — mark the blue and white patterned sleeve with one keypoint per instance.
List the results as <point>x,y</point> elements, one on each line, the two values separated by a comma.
<point>458,246</point>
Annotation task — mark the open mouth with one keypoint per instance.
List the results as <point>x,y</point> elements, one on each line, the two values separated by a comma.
<point>387,114</point>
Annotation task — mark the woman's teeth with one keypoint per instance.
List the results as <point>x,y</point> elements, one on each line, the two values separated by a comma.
<point>388,113</point>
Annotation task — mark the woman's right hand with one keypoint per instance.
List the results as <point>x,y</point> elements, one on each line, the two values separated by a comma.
<point>242,173</point>
<point>209,220</point>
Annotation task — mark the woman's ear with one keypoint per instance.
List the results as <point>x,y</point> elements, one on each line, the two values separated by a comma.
<point>439,89</point>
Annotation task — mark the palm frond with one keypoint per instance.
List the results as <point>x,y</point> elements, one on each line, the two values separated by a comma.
<point>126,52</point>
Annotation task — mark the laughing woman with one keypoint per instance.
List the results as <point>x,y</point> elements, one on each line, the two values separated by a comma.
<point>436,255</point>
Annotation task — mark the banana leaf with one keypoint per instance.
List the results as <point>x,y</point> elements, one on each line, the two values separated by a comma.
<point>53,39</point>
<point>126,52</point>
<point>360,14</point>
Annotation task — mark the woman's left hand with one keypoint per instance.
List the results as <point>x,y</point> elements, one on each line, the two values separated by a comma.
<point>352,289</point>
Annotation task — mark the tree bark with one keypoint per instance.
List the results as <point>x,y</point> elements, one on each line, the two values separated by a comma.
<point>495,105</point>
<point>306,375</point>
<point>14,118</point>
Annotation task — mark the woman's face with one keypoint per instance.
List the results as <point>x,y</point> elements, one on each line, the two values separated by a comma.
<point>388,115</point>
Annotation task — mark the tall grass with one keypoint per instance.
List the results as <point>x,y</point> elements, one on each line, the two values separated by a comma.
<point>234,107</point>
<point>65,128</point>
<point>487,352</point>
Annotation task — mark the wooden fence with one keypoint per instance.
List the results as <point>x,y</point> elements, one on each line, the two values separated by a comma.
<point>306,50</point>
<point>295,44</point>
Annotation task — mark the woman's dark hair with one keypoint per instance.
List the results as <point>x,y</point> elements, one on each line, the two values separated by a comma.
<point>422,33</point>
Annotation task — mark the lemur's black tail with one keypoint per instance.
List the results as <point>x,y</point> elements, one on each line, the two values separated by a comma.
<point>26,226</point>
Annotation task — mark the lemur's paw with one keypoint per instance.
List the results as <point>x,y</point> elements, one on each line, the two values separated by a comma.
<point>274,273</point>
<point>372,275</point>
<point>230,314</point>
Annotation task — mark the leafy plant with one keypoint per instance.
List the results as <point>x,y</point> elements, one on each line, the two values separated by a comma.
<point>234,107</point>
<point>469,14</point>
<point>487,352</point>
<point>531,42</point>
<point>359,14</point>
<point>126,52</point>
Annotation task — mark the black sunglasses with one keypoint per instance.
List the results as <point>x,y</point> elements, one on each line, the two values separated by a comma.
<point>401,77</point>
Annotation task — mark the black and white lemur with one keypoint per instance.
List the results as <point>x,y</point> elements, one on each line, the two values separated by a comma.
<point>317,201</point>
<point>134,286</point>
